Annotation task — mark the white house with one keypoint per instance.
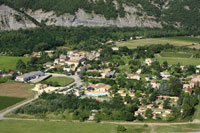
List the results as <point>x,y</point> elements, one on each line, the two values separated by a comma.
<point>165,75</point>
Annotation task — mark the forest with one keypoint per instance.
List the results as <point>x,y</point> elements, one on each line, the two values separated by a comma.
<point>18,43</point>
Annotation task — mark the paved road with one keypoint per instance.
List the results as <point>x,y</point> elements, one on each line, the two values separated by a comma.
<point>12,109</point>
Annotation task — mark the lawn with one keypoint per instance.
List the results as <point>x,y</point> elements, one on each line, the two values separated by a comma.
<point>176,41</point>
<point>9,62</point>
<point>175,54</point>
<point>62,81</point>
<point>9,101</point>
<point>64,127</point>
<point>182,61</point>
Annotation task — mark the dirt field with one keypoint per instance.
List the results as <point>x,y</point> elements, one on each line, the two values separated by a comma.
<point>13,89</point>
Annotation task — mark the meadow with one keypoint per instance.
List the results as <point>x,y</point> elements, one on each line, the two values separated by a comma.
<point>175,54</point>
<point>9,101</point>
<point>176,41</point>
<point>9,62</point>
<point>22,126</point>
<point>175,60</point>
<point>62,81</point>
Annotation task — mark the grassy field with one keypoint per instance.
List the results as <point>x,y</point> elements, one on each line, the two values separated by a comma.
<point>182,61</point>
<point>9,62</point>
<point>173,54</point>
<point>176,41</point>
<point>76,127</point>
<point>183,128</point>
<point>63,127</point>
<point>62,81</point>
<point>9,101</point>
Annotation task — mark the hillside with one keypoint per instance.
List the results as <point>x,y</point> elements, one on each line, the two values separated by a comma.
<point>121,13</point>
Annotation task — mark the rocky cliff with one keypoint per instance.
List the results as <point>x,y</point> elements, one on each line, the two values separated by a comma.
<point>11,19</point>
<point>92,19</point>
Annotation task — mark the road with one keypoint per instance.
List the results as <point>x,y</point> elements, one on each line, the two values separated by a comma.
<point>12,109</point>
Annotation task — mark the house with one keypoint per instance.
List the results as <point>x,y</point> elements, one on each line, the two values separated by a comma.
<point>48,65</point>
<point>40,86</point>
<point>28,76</point>
<point>99,89</point>
<point>160,106</point>
<point>154,84</point>
<point>133,76</point>
<point>142,109</point>
<point>138,112</point>
<point>157,111</point>
<point>165,75</point>
<point>148,61</point>
<point>150,106</point>
<point>139,71</point>
<point>139,37</point>
<point>115,48</point>
<point>122,93</point>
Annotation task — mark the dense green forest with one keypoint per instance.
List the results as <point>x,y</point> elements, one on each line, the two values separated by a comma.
<point>23,42</point>
<point>182,12</point>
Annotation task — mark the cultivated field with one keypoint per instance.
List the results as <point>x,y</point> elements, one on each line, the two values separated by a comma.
<point>9,62</point>
<point>175,60</point>
<point>175,54</point>
<point>77,127</point>
<point>62,81</point>
<point>9,101</point>
<point>177,41</point>
<point>14,89</point>
<point>13,92</point>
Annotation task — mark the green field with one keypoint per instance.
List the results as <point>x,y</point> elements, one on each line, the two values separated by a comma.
<point>9,62</point>
<point>63,127</point>
<point>22,126</point>
<point>62,81</point>
<point>173,54</point>
<point>192,42</point>
<point>182,128</point>
<point>182,61</point>
<point>9,101</point>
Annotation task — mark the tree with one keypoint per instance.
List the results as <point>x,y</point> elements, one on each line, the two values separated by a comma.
<point>121,128</point>
<point>175,87</point>
<point>139,117</point>
<point>148,113</point>
<point>20,65</point>
<point>164,88</point>
<point>165,64</point>
<point>166,104</point>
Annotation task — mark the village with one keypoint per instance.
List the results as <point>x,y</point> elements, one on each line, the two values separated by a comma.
<point>102,80</point>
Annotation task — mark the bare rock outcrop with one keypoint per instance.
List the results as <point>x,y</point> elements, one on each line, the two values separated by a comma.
<point>11,19</point>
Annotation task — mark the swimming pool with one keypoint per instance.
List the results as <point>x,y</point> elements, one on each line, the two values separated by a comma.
<point>96,94</point>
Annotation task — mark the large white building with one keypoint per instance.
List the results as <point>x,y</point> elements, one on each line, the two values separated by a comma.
<point>28,76</point>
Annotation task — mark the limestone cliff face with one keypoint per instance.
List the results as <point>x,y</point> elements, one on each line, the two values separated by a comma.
<point>86,19</point>
<point>13,20</point>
